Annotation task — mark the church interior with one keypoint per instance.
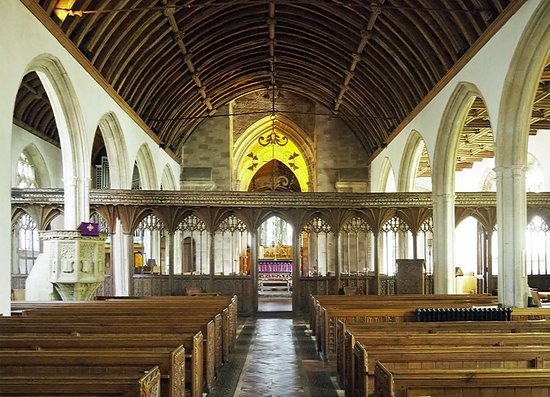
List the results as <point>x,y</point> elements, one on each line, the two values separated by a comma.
<point>304,174</point>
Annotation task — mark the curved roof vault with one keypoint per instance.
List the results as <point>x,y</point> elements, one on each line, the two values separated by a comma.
<point>176,62</point>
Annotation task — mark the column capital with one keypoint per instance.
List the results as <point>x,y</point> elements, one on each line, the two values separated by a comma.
<point>510,170</point>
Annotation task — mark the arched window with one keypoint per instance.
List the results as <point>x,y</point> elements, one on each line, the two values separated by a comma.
<point>26,172</point>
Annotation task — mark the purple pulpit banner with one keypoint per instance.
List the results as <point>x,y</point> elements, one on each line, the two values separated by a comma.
<point>89,229</point>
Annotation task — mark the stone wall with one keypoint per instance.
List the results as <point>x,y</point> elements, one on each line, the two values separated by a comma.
<point>206,156</point>
<point>341,160</point>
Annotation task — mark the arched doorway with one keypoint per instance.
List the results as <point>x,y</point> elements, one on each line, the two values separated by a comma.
<point>275,265</point>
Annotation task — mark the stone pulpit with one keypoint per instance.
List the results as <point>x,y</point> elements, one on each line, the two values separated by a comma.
<point>77,262</point>
<point>410,276</point>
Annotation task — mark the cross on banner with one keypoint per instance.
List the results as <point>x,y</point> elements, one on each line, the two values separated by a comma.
<point>90,229</point>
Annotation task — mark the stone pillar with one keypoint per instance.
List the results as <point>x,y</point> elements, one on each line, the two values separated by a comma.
<point>70,213</point>
<point>119,260</point>
<point>512,224</point>
<point>443,243</point>
<point>128,265</point>
<point>77,263</point>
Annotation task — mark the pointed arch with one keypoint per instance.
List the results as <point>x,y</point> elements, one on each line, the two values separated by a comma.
<point>410,162</point>
<point>295,134</point>
<point>146,166</point>
<point>117,152</point>
<point>520,88</point>
<point>386,174</point>
<point>450,128</point>
<point>519,91</point>
<point>72,136</point>
<point>168,182</point>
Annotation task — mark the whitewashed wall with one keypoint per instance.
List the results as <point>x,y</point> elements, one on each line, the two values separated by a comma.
<point>22,40</point>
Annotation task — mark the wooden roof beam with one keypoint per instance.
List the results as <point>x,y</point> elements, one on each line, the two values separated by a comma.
<point>376,10</point>
<point>169,12</point>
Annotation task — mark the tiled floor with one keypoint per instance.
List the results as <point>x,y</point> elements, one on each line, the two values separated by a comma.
<point>276,357</point>
<point>274,304</point>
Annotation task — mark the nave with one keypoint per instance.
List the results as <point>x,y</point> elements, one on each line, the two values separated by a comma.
<point>275,356</point>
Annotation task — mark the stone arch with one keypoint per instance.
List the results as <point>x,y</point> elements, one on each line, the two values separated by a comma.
<point>410,161</point>
<point>168,182</point>
<point>290,130</point>
<point>443,180</point>
<point>40,166</point>
<point>72,137</point>
<point>117,151</point>
<point>448,135</point>
<point>146,166</point>
<point>386,171</point>
<point>519,90</point>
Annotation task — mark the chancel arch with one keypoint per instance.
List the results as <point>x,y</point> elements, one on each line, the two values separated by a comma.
<point>274,139</point>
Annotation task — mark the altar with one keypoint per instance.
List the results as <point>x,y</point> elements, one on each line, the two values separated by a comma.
<point>275,270</point>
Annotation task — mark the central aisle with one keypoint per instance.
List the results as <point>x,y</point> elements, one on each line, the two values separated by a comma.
<point>272,366</point>
<point>276,357</point>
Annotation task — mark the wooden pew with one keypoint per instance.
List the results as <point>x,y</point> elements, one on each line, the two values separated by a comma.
<point>328,309</point>
<point>361,301</point>
<point>480,382</point>
<point>106,341</point>
<point>132,317</point>
<point>402,341</point>
<point>225,324</point>
<point>458,357</point>
<point>76,361</point>
<point>400,312</point>
<point>193,342</point>
<point>345,340</point>
<point>139,384</point>
<point>212,330</point>
<point>186,304</point>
